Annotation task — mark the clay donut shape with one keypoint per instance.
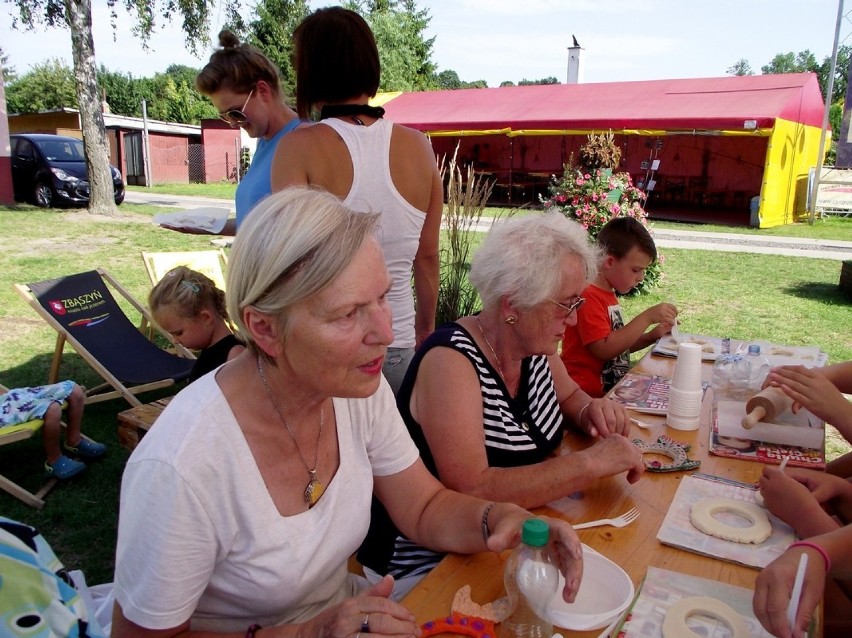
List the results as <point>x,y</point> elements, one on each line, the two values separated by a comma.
<point>667,446</point>
<point>701,516</point>
<point>674,624</point>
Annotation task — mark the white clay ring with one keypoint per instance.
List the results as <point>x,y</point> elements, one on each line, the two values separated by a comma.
<point>702,518</point>
<point>674,624</point>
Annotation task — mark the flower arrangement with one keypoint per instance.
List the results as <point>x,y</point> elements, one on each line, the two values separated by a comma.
<point>592,196</point>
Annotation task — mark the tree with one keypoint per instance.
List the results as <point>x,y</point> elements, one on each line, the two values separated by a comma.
<point>76,15</point>
<point>801,62</point>
<point>48,86</point>
<point>404,52</point>
<point>449,79</point>
<point>8,71</point>
<point>122,92</point>
<point>271,31</point>
<point>740,67</point>
<point>548,80</point>
<point>838,93</point>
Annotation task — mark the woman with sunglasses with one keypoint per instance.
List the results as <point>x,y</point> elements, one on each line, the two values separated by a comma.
<point>370,163</point>
<point>244,87</point>
<point>486,398</point>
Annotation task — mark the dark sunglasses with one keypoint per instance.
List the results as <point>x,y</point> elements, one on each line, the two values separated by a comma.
<point>235,117</point>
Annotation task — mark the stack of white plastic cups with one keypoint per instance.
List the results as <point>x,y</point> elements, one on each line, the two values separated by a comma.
<point>686,393</point>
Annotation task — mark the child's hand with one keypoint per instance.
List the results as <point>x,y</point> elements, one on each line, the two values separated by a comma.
<point>800,498</point>
<point>786,496</point>
<point>810,389</point>
<point>661,313</point>
<point>661,330</point>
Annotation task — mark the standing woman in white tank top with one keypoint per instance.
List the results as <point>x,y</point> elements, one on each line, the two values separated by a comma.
<point>371,164</point>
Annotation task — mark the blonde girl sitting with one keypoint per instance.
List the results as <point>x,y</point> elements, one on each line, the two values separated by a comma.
<point>190,307</point>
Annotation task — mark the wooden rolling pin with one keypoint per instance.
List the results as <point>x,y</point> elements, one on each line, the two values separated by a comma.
<point>765,406</point>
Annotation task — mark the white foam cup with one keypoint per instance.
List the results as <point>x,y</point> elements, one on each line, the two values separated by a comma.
<point>684,409</point>
<point>687,373</point>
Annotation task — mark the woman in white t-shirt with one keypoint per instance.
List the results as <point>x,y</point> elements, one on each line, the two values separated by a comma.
<point>240,508</point>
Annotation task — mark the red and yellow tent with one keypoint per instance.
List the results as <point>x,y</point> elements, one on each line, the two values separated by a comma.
<point>719,142</point>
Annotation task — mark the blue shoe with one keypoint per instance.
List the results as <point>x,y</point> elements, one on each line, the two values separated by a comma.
<point>85,449</point>
<point>64,468</point>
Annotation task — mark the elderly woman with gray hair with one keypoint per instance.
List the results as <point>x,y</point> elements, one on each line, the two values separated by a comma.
<point>240,508</point>
<point>486,398</point>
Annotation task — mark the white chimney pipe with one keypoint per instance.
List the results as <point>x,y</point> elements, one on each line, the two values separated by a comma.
<point>575,64</point>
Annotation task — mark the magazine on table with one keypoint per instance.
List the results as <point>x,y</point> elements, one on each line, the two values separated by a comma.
<point>765,452</point>
<point>648,393</point>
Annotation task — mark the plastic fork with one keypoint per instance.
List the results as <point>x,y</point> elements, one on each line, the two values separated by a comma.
<point>619,521</point>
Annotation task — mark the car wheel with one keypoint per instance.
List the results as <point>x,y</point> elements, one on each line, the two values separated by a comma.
<point>43,195</point>
<point>119,199</point>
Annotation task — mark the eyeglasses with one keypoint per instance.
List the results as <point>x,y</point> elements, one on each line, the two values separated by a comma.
<point>573,307</point>
<point>235,117</point>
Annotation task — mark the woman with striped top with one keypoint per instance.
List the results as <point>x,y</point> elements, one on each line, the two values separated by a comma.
<point>486,397</point>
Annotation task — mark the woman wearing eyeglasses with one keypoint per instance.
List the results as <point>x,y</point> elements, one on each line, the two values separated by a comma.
<point>244,87</point>
<point>487,398</point>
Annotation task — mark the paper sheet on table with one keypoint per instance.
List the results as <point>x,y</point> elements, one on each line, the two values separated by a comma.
<point>677,529</point>
<point>209,219</point>
<point>662,588</point>
<point>710,346</point>
<point>802,429</point>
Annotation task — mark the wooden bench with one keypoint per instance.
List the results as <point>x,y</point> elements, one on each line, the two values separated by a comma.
<point>133,423</point>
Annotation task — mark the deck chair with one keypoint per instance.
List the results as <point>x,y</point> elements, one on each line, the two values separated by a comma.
<point>84,313</point>
<point>208,262</point>
<point>13,434</point>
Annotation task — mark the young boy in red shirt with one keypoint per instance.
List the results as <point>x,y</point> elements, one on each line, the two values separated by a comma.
<point>596,350</point>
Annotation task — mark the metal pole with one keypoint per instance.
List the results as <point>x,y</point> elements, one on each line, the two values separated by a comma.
<point>828,94</point>
<point>146,146</point>
<point>239,158</point>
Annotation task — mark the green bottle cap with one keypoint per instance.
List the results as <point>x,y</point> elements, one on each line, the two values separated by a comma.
<point>535,532</point>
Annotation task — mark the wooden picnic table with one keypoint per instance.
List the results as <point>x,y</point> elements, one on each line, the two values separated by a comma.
<point>634,547</point>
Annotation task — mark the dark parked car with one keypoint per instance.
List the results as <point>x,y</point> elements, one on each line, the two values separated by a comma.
<point>51,169</point>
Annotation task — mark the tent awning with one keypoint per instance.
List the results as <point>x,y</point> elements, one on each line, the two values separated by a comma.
<point>733,103</point>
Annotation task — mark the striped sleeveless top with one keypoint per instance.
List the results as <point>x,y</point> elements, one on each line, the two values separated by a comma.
<point>518,431</point>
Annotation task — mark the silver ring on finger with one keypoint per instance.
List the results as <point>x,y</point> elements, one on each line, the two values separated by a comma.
<point>365,624</point>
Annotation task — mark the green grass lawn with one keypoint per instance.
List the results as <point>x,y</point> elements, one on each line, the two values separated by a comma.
<point>786,300</point>
<point>219,190</point>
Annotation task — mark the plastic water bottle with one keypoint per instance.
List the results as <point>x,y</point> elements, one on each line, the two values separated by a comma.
<point>731,378</point>
<point>531,579</point>
<point>758,368</point>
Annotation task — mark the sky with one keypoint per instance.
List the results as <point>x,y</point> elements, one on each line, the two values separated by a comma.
<point>499,40</point>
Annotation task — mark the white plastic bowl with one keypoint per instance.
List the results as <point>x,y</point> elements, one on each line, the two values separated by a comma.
<point>605,592</point>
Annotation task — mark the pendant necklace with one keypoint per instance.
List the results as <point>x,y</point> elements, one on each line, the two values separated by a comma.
<point>314,490</point>
<point>490,347</point>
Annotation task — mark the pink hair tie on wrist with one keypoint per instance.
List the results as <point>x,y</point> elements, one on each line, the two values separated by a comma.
<point>814,546</point>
